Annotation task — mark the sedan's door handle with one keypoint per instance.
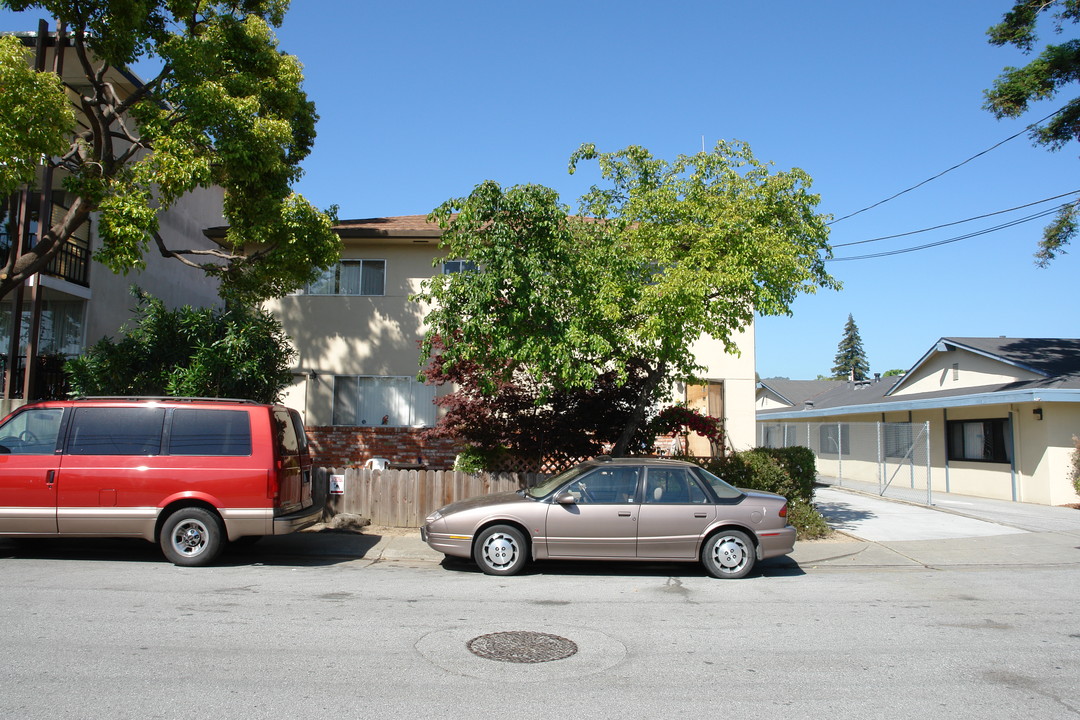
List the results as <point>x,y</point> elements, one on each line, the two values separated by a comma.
<point>624,514</point>
<point>700,515</point>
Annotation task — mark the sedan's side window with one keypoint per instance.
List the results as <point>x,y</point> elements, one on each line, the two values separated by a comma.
<point>673,485</point>
<point>606,486</point>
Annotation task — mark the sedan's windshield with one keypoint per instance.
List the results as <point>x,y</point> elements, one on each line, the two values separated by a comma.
<point>552,483</point>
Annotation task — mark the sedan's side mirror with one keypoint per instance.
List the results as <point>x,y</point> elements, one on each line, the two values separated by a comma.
<point>565,498</point>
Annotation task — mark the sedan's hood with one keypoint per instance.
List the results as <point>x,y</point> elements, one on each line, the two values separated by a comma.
<point>481,501</point>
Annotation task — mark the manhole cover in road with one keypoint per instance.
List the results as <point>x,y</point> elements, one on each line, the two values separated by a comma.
<point>522,646</point>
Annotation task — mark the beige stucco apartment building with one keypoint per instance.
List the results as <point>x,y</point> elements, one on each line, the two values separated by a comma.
<point>1001,413</point>
<point>357,336</point>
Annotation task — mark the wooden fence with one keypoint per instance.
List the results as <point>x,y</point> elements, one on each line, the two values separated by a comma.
<point>403,498</point>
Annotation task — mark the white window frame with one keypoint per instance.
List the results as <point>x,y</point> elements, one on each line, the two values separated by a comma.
<point>382,401</point>
<point>449,267</point>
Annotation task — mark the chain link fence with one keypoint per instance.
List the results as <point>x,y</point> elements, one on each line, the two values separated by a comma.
<point>888,459</point>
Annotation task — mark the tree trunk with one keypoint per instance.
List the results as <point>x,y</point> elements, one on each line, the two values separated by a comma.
<point>655,376</point>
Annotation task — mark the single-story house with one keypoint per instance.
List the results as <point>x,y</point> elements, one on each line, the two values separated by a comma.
<point>1003,414</point>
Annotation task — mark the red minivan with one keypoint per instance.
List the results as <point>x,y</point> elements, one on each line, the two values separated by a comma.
<point>188,473</point>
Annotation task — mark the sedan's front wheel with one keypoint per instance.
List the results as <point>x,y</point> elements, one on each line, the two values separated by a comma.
<point>729,554</point>
<point>501,550</point>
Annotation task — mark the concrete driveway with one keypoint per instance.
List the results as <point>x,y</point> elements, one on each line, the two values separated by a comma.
<point>878,520</point>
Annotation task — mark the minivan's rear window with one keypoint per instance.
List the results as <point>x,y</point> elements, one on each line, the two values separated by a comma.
<point>288,443</point>
<point>116,431</point>
<point>210,432</point>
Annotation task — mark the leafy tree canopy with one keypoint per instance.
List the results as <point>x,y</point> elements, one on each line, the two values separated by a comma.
<point>660,254</point>
<point>227,108</point>
<point>37,124</point>
<point>195,352</point>
<point>1057,66</point>
<point>851,362</point>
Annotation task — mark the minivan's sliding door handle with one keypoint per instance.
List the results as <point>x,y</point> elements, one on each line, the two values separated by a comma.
<point>50,477</point>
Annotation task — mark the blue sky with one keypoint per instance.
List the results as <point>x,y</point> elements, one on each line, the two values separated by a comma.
<point>420,101</point>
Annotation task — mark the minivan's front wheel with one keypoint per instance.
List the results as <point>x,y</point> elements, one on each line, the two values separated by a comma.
<point>192,536</point>
<point>501,550</point>
<point>729,554</point>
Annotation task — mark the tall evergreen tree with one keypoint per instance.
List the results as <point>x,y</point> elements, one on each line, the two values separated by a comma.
<point>851,362</point>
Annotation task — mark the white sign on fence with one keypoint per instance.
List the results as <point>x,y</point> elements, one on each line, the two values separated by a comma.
<point>337,484</point>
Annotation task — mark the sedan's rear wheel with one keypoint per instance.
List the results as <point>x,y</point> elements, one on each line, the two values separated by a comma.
<point>501,550</point>
<point>729,554</point>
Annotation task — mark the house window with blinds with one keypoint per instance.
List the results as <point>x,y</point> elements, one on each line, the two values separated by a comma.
<point>351,277</point>
<point>383,401</point>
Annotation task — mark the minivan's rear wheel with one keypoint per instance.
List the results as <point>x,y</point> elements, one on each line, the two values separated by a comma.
<point>192,536</point>
<point>501,550</point>
<point>729,554</point>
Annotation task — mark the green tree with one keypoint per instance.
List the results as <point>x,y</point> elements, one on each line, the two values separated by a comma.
<point>1057,66</point>
<point>226,108</point>
<point>37,124</point>
<point>193,352</point>
<point>851,362</point>
<point>661,254</point>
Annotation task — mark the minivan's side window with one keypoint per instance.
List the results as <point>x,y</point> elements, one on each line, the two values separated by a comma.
<point>116,431</point>
<point>209,432</point>
<point>32,432</point>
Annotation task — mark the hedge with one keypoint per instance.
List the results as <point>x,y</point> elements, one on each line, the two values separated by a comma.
<point>790,472</point>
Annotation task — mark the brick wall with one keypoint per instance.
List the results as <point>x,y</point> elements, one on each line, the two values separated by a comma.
<point>345,446</point>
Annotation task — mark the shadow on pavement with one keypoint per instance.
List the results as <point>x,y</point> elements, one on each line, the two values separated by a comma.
<point>842,516</point>
<point>312,549</point>
<point>773,567</point>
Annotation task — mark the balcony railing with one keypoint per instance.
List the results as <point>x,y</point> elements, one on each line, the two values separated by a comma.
<point>72,263</point>
<point>50,381</point>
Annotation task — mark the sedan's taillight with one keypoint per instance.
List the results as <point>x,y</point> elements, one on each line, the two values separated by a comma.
<point>783,511</point>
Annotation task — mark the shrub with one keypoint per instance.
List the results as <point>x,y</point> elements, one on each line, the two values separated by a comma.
<point>1075,472</point>
<point>789,472</point>
<point>199,352</point>
<point>474,459</point>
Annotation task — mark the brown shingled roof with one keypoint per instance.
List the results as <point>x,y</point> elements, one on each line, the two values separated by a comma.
<point>402,226</point>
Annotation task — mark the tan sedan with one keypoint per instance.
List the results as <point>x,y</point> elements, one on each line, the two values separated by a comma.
<point>620,509</point>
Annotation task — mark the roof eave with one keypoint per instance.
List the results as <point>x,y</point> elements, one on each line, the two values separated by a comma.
<point>999,398</point>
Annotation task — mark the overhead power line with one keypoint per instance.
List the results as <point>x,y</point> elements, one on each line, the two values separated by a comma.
<point>956,222</point>
<point>954,167</point>
<point>985,231</point>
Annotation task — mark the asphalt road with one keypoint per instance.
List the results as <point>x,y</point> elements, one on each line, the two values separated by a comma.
<point>107,629</point>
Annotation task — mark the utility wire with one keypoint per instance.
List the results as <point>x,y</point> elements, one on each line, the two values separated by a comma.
<point>956,222</point>
<point>1018,221</point>
<point>943,172</point>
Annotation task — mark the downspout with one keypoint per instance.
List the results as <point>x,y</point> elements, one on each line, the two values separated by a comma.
<point>1014,433</point>
<point>945,425</point>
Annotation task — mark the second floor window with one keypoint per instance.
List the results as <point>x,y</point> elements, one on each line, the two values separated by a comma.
<point>351,277</point>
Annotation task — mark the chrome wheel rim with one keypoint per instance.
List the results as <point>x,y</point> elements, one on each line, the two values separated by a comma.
<point>189,538</point>
<point>499,551</point>
<point>730,554</point>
